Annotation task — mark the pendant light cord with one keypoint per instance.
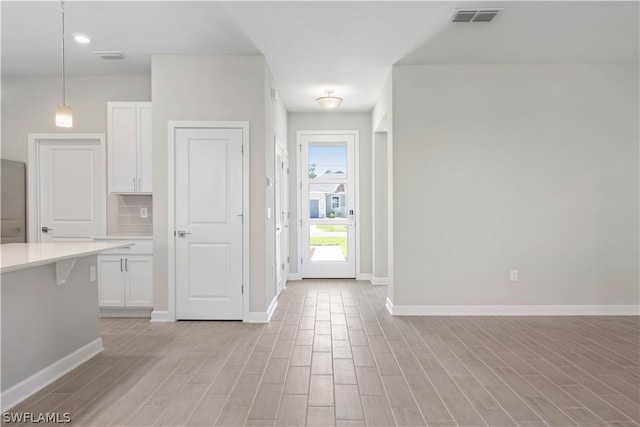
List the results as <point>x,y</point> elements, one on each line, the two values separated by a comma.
<point>64,89</point>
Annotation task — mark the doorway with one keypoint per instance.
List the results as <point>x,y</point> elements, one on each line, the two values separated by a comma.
<point>208,244</point>
<point>327,181</point>
<point>66,187</point>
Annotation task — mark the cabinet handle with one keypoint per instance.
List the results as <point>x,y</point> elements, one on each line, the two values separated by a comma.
<point>134,184</point>
<point>121,265</point>
<point>126,264</point>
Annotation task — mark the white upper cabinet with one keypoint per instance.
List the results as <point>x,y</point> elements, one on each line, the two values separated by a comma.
<point>129,147</point>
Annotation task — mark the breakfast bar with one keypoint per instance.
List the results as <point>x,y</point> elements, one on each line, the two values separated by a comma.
<point>49,313</point>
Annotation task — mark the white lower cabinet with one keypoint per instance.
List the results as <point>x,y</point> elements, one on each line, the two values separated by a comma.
<point>125,281</point>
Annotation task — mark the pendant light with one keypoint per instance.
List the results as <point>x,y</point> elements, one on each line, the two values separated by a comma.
<point>329,102</point>
<point>64,113</point>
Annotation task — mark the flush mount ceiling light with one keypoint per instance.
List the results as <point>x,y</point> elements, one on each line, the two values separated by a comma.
<point>81,38</point>
<point>329,102</point>
<point>64,113</point>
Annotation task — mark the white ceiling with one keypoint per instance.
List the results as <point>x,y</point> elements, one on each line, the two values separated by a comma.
<point>312,46</point>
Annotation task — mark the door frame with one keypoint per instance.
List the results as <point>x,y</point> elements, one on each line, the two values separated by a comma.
<point>284,195</point>
<point>33,175</point>
<point>356,159</point>
<point>173,126</point>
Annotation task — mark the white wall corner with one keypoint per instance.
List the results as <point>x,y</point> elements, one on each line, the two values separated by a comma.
<point>46,376</point>
<point>363,276</point>
<point>379,281</point>
<point>262,316</point>
<point>513,310</point>
<point>389,306</point>
<point>159,316</point>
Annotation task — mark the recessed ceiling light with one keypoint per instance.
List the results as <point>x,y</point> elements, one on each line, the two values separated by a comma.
<point>81,38</point>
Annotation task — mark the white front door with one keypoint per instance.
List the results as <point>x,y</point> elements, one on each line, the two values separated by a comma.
<point>208,220</point>
<point>327,192</point>
<point>71,189</point>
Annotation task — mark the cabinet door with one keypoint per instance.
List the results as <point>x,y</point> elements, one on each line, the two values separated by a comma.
<point>121,147</point>
<point>139,288</point>
<point>144,147</point>
<point>111,281</point>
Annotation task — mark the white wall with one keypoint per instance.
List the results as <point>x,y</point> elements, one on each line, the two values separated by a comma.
<point>335,121</point>
<point>528,167</point>
<point>215,88</point>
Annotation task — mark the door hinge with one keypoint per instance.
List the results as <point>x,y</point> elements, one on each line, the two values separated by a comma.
<point>242,289</point>
<point>300,147</point>
<point>283,267</point>
<point>282,165</point>
<point>287,260</point>
<point>287,171</point>
<point>242,149</point>
<point>301,260</point>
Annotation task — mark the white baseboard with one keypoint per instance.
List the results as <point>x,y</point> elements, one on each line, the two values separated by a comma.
<point>125,312</point>
<point>294,276</point>
<point>262,316</point>
<point>363,276</point>
<point>159,316</point>
<point>378,281</point>
<point>389,305</point>
<point>46,376</point>
<point>272,308</point>
<point>513,310</point>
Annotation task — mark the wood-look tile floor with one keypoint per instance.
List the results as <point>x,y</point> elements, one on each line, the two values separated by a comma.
<point>332,355</point>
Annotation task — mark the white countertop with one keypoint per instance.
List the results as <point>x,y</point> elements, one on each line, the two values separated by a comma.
<point>19,256</point>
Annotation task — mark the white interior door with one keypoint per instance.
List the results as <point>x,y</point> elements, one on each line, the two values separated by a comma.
<point>327,193</point>
<point>71,189</point>
<point>281,216</point>
<point>208,219</point>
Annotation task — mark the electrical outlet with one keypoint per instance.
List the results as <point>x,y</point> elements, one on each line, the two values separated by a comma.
<point>143,212</point>
<point>513,275</point>
<point>92,273</point>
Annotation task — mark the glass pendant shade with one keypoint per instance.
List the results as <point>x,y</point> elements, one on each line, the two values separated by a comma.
<point>329,102</point>
<point>64,116</point>
<point>64,113</point>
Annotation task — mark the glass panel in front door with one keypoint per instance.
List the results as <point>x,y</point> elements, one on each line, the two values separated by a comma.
<point>328,242</point>
<point>328,201</point>
<point>327,161</point>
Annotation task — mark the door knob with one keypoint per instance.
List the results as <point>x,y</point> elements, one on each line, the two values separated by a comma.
<point>181,233</point>
<point>46,229</point>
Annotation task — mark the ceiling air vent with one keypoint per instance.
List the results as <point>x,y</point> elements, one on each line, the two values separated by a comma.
<point>475,15</point>
<point>110,54</point>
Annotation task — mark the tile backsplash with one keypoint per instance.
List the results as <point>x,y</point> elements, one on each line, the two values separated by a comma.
<point>124,214</point>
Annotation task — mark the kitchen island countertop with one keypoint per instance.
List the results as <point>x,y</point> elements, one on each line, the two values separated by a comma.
<point>20,256</point>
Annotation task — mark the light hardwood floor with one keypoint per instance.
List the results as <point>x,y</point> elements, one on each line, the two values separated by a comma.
<point>332,355</point>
